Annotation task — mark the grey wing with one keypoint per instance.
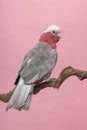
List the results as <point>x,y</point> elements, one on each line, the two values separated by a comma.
<point>25,61</point>
<point>38,64</point>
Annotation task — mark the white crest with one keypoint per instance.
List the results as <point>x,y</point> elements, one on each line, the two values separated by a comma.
<point>52,28</point>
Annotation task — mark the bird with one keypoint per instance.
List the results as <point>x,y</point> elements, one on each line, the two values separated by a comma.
<point>36,67</point>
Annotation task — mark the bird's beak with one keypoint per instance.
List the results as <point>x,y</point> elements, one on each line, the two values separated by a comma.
<point>59,35</point>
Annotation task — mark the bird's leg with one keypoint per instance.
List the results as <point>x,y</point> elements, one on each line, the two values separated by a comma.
<point>51,81</point>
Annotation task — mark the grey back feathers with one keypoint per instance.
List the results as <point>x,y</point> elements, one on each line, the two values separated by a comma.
<point>38,62</point>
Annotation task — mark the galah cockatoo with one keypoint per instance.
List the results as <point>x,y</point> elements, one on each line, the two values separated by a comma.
<point>36,67</point>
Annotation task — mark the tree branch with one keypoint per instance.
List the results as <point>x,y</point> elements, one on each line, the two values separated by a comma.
<point>55,83</point>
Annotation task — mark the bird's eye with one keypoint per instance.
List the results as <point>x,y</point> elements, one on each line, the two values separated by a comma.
<point>54,32</point>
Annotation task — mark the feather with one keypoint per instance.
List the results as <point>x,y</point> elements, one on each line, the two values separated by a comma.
<point>21,97</point>
<point>38,63</point>
<point>17,80</point>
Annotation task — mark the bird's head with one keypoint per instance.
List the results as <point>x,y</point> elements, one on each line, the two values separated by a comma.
<point>51,35</point>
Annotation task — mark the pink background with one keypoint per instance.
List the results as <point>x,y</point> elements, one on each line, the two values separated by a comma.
<point>21,24</point>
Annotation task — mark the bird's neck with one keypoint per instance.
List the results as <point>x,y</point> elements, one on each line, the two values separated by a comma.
<point>47,39</point>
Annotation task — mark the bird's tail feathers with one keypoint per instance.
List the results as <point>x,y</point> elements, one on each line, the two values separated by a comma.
<point>22,96</point>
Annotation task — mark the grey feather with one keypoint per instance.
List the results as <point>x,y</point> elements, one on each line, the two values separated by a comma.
<point>21,97</point>
<point>42,61</point>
